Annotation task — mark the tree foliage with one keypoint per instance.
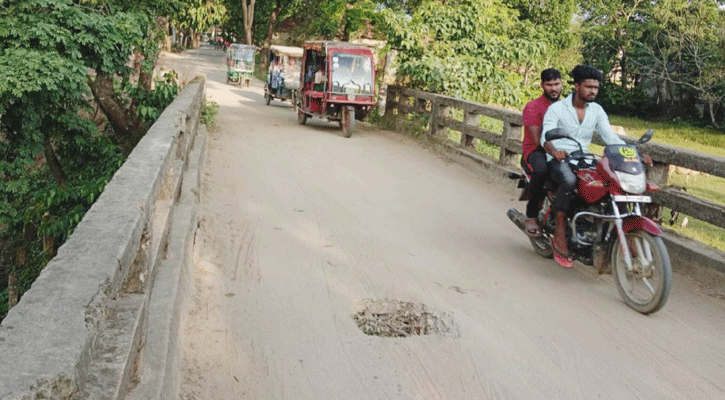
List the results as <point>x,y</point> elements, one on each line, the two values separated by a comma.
<point>61,63</point>
<point>476,49</point>
<point>662,56</point>
<point>194,17</point>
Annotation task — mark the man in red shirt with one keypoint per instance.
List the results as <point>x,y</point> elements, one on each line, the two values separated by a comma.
<point>534,157</point>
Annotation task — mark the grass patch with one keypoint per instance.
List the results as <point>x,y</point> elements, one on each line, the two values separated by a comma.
<point>704,140</point>
<point>208,114</point>
<point>483,147</point>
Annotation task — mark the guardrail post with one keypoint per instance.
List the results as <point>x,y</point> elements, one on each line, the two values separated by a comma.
<point>439,110</point>
<point>510,132</point>
<point>469,119</point>
<point>420,105</point>
<point>403,99</point>
<point>391,101</point>
<point>659,175</point>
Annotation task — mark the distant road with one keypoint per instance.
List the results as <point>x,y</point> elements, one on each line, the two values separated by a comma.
<point>300,225</point>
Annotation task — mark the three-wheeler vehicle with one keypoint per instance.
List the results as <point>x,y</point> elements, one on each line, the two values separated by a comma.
<point>285,64</point>
<point>337,83</point>
<point>240,63</point>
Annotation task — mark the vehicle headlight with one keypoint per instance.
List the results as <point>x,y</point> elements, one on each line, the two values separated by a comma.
<point>630,183</point>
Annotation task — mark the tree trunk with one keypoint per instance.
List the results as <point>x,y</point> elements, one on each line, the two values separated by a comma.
<point>270,33</point>
<point>53,164</point>
<point>248,11</point>
<point>146,79</point>
<point>13,288</point>
<point>21,259</point>
<point>125,123</point>
<point>163,23</point>
<point>339,31</point>
<point>713,118</point>
<point>6,265</point>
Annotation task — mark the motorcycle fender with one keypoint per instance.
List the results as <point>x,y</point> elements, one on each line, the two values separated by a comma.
<point>641,223</point>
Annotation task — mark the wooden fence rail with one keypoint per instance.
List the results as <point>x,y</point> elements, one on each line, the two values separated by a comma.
<point>438,109</point>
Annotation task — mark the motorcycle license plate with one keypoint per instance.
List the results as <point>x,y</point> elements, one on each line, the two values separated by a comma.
<point>633,199</point>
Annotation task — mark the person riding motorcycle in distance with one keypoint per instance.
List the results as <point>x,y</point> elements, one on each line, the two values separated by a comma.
<point>534,160</point>
<point>579,116</point>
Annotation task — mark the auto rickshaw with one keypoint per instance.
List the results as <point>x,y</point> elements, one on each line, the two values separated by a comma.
<point>240,63</point>
<point>337,83</point>
<point>284,72</point>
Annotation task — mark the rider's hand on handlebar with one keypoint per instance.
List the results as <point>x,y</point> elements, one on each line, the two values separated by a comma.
<point>560,155</point>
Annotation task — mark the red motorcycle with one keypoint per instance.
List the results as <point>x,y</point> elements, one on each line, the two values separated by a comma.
<point>605,225</point>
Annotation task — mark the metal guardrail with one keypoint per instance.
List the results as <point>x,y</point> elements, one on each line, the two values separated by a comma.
<point>404,101</point>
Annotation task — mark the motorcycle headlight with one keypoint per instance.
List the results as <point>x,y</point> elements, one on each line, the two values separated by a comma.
<point>630,183</point>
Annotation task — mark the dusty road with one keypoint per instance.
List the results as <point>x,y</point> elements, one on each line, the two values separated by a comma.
<point>300,225</point>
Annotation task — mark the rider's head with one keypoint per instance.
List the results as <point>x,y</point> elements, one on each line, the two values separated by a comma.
<point>586,81</point>
<point>551,83</point>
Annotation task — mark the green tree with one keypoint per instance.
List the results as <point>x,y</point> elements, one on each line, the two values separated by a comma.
<point>660,56</point>
<point>610,29</point>
<point>682,45</point>
<point>194,17</point>
<point>60,60</point>
<point>476,49</point>
<point>553,16</point>
<point>274,12</point>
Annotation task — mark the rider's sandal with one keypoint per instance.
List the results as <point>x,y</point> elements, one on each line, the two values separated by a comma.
<point>563,259</point>
<point>532,228</point>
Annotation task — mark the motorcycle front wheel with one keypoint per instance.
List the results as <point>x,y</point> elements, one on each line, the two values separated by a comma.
<point>646,287</point>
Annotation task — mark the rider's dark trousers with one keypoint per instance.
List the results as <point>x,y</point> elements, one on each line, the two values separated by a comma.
<point>562,174</point>
<point>539,171</point>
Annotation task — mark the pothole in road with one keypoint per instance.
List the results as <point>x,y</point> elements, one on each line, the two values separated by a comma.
<point>393,318</point>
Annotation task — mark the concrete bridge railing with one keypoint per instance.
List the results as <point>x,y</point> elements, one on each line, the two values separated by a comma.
<point>439,110</point>
<point>78,333</point>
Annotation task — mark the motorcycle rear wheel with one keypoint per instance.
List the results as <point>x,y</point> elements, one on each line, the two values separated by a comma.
<point>646,288</point>
<point>542,246</point>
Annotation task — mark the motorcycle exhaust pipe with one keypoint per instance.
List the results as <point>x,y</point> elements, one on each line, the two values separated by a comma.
<point>517,218</point>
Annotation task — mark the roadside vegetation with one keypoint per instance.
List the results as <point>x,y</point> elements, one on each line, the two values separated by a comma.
<point>76,95</point>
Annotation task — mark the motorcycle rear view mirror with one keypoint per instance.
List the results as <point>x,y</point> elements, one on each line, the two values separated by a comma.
<point>646,137</point>
<point>557,133</point>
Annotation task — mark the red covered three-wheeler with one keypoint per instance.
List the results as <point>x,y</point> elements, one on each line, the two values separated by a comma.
<point>337,83</point>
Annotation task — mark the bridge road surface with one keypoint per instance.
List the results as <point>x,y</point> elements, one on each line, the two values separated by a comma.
<point>299,225</point>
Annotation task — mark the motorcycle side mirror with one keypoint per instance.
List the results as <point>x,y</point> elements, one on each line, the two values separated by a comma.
<point>646,137</point>
<point>556,133</point>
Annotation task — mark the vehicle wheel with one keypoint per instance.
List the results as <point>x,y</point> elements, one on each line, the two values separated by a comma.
<point>646,288</point>
<point>348,121</point>
<point>267,97</point>
<point>542,246</point>
<point>301,117</point>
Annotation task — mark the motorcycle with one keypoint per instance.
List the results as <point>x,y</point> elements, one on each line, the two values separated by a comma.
<point>605,225</point>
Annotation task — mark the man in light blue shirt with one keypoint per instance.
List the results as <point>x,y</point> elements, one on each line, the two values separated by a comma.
<point>579,117</point>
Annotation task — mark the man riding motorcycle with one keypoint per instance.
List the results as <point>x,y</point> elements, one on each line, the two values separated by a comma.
<point>579,117</point>
<point>533,160</point>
